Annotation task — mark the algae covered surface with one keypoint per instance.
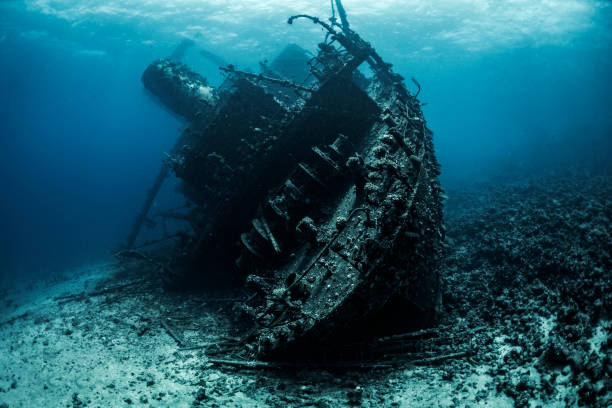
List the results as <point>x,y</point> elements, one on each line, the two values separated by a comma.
<point>526,288</point>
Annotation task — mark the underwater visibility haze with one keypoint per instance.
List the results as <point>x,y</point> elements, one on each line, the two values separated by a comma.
<point>511,98</point>
<point>509,86</point>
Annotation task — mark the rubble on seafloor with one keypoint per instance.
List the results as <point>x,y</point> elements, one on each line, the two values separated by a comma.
<point>531,260</point>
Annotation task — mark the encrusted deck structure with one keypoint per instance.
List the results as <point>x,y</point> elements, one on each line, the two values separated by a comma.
<point>313,186</point>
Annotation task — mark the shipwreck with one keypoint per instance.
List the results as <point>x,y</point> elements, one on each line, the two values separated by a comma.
<point>312,186</point>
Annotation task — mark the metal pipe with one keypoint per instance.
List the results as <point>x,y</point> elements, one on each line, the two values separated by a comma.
<point>342,14</point>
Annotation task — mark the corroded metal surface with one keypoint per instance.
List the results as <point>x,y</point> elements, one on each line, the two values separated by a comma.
<point>320,196</point>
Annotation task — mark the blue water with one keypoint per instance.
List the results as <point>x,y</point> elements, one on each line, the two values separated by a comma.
<point>512,88</point>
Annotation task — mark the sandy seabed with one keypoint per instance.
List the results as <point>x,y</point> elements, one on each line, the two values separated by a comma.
<point>113,351</point>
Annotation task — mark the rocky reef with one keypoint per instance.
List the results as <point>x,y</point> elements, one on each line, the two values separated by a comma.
<point>530,260</point>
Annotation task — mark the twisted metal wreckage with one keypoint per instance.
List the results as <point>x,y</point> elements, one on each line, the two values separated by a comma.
<point>313,186</point>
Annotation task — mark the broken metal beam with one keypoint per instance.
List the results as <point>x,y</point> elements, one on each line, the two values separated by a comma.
<point>259,77</point>
<point>146,206</point>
